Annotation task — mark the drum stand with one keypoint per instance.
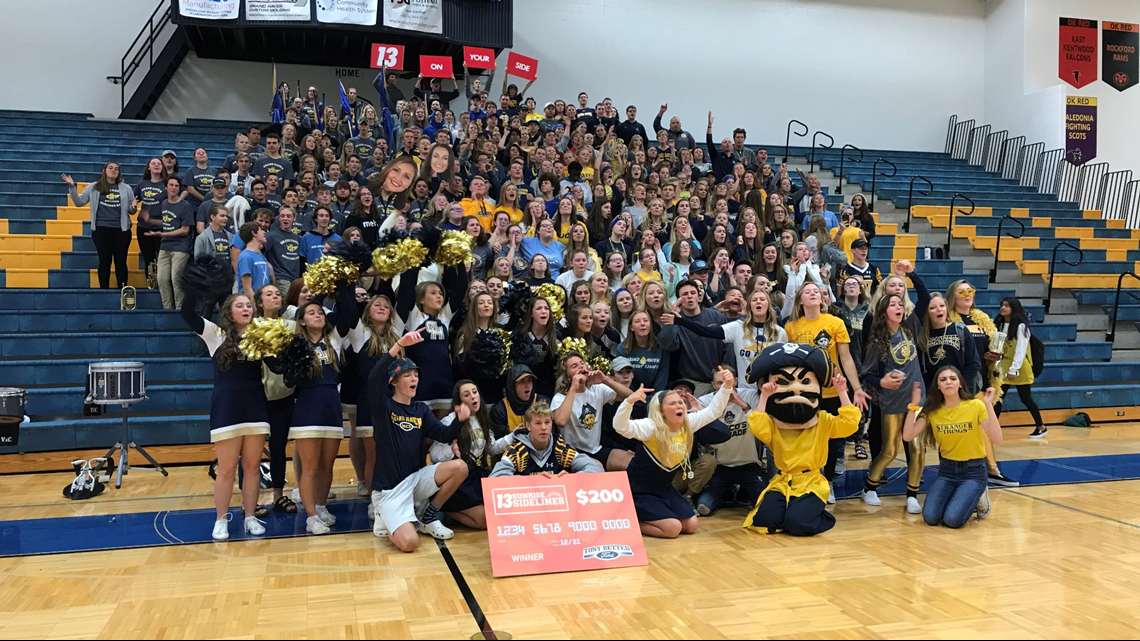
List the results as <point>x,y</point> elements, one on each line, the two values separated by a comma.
<point>124,447</point>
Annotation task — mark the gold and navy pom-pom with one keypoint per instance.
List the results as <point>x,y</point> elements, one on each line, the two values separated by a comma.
<point>265,337</point>
<point>568,346</point>
<point>397,257</point>
<point>322,276</point>
<point>600,363</point>
<point>454,248</point>
<point>555,297</point>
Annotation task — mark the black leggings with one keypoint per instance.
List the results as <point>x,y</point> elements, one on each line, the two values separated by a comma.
<point>112,244</point>
<point>1025,392</point>
<point>148,245</point>
<point>280,416</point>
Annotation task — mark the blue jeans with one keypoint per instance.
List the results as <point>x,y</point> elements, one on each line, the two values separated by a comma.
<point>749,477</point>
<point>954,494</point>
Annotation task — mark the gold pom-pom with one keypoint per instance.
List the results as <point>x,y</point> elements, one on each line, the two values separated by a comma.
<point>322,276</point>
<point>265,337</point>
<point>505,364</point>
<point>395,258</point>
<point>454,248</point>
<point>568,346</point>
<point>555,296</point>
<point>600,363</point>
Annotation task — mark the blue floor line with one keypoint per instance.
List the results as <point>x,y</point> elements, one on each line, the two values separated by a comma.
<point>152,529</point>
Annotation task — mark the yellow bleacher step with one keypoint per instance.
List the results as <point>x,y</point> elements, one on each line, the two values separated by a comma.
<point>135,278</point>
<point>38,278</point>
<point>1088,281</point>
<point>43,259</point>
<point>1030,267</point>
<point>73,213</point>
<point>37,242</point>
<point>929,211</point>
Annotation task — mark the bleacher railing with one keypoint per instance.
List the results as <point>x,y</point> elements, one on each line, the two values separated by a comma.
<point>1053,268</point>
<point>153,35</point>
<point>910,198</point>
<point>788,138</point>
<point>843,157</point>
<point>997,245</point>
<point>1111,335</point>
<point>953,212</point>
<point>875,177</point>
<point>995,147</point>
<point>830,144</point>
<point>976,145</point>
<point>957,137</point>
<point>1010,164</point>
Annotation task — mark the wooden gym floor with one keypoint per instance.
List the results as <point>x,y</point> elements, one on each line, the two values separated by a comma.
<point>1051,561</point>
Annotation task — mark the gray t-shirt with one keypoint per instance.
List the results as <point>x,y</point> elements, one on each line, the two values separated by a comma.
<point>174,217</point>
<point>150,193</point>
<point>280,167</point>
<point>903,357</point>
<point>283,251</point>
<point>204,214</point>
<point>109,213</point>
<point>199,179</point>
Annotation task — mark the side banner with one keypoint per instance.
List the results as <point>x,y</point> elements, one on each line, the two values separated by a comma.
<point>209,9</point>
<point>1080,129</point>
<point>1077,49</point>
<point>1119,64</point>
<point>414,15</point>
<point>362,12</point>
<point>277,10</point>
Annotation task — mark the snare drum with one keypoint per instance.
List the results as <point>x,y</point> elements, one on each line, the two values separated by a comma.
<point>116,383</point>
<point>12,402</point>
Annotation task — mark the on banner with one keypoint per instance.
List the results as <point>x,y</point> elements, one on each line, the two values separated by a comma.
<point>388,56</point>
<point>436,67</point>
<point>362,12</point>
<point>1080,129</point>
<point>522,66</point>
<point>541,524</point>
<point>1077,50</point>
<point>414,15</point>
<point>1119,64</point>
<point>479,58</point>
<point>208,9</point>
<point>276,10</point>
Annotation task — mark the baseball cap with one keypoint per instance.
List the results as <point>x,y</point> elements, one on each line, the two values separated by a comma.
<point>399,366</point>
<point>169,152</point>
<point>698,266</point>
<point>620,363</point>
<point>682,382</point>
<point>859,242</point>
<point>549,104</point>
<point>219,182</point>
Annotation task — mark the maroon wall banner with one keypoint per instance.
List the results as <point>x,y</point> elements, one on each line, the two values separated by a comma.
<point>1077,47</point>
<point>1119,63</point>
<point>1080,129</point>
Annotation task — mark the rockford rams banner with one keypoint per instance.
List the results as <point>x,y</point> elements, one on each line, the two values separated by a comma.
<point>277,10</point>
<point>208,9</point>
<point>414,15</point>
<point>362,12</point>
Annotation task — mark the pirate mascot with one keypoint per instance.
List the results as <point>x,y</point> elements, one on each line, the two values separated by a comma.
<point>789,421</point>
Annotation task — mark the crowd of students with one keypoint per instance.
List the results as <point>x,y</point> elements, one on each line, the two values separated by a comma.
<point>679,263</point>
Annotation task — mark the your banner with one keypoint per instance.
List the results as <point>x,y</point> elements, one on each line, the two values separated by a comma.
<point>414,15</point>
<point>541,524</point>
<point>208,9</point>
<point>1080,129</point>
<point>479,57</point>
<point>1119,63</point>
<point>1077,50</point>
<point>277,10</point>
<point>362,12</point>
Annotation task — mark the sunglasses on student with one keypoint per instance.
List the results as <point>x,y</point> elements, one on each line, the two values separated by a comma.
<point>965,292</point>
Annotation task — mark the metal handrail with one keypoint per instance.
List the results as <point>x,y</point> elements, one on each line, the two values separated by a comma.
<point>997,247</point>
<point>875,177</point>
<point>788,138</point>
<point>1111,335</point>
<point>842,157</point>
<point>132,60</point>
<point>950,133</point>
<point>950,227</point>
<point>1053,265</point>
<point>830,144</point>
<point>910,198</point>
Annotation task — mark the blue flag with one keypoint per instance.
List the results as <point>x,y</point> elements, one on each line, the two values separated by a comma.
<point>277,111</point>
<point>347,109</point>
<point>385,113</point>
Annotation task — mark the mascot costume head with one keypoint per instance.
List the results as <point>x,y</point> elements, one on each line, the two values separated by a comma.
<point>801,372</point>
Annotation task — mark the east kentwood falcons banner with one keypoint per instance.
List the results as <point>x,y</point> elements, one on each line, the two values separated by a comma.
<point>1077,50</point>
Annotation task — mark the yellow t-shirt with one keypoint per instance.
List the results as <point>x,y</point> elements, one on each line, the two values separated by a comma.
<point>845,239</point>
<point>825,332</point>
<point>515,214</point>
<point>800,454</point>
<point>480,209</point>
<point>958,430</point>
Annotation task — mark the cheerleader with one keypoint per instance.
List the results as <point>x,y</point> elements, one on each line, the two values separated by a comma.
<point>539,328</point>
<point>425,305</point>
<point>478,447</point>
<point>747,337</point>
<point>318,424</point>
<point>481,318</point>
<point>891,367</point>
<point>666,443</point>
<point>239,416</point>
<point>981,329</point>
<point>375,332</point>
<point>268,303</point>
<point>956,422</point>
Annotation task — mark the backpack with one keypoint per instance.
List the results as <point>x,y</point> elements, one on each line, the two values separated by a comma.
<point>1037,353</point>
<point>1080,419</point>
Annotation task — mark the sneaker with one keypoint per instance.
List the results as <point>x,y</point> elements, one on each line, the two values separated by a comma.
<point>379,528</point>
<point>703,509</point>
<point>840,466</point>
<point>831,494</point>
<point>314,525</point>
<point>371,511</point>
<point>435,529</point>
<point>1001,480</point>
<point>324,515</point>
<point>296,495</point>
<point>254,525</point>
<point>913,506</point>
<point>1040,432</point>
<point>871,497</point>
<point>362,489</point>
<point>983,509</point>
<point>222,528</point>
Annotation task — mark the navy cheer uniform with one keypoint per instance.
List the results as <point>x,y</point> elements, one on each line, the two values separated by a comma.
<point>655,463</point>
<point>237,403</point>
<point>433,355</point>
<point>317,412</point>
